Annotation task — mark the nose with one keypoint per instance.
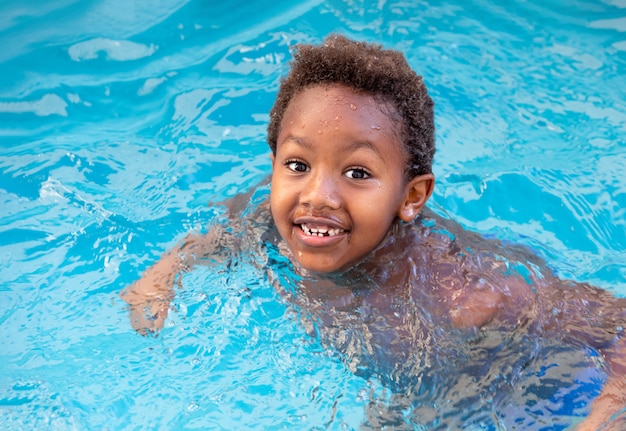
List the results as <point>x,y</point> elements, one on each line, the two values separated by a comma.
<point>321,191</point>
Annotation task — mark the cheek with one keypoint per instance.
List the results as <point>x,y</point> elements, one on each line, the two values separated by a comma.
<point>367,221</point>
<point>377,202</point>
<point>274,204</point>
<point>279,204</point>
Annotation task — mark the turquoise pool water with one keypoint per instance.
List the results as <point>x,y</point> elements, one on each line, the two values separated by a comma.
<point>121,123</point>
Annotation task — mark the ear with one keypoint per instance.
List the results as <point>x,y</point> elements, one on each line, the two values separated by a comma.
<point>416,193</point>
<point>272,159</point>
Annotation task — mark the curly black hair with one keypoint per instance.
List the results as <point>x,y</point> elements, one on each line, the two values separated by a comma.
<point>366,68</point>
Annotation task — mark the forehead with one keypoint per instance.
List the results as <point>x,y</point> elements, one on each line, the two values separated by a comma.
<point>336,96</point>
<point>338,122</point>
<point>341,106</point>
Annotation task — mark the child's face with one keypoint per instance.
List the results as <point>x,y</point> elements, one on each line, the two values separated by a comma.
<point>338,178</point>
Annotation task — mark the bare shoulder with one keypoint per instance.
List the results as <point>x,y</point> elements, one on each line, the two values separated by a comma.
<point>479,281</point>
<point>471,280</point>
<point>582,312</point>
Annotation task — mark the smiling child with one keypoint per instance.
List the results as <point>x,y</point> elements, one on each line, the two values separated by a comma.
<point>405,295</point>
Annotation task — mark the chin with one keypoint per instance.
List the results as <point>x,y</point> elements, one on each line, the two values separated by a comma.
<point>317,269</point>
<point>321,267</point>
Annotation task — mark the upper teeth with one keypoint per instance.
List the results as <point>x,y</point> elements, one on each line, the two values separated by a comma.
<point>320,231</point>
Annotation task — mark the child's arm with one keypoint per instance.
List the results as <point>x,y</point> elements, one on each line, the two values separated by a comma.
<point>596,317</point>
<point>149,297</point>
<point>611,401</point>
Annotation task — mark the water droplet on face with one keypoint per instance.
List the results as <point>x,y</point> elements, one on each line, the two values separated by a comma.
<point>302,125</point>
<point>353,106</point>
<point>337,118</point>
<point>319,131</point>
<point>375,127</point>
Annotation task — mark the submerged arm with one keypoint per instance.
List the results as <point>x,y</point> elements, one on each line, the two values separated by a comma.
<point>596,317</point>
<point>149,297</point>
<point>608,410</point>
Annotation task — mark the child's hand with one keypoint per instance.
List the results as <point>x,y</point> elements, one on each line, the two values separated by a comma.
<point>150,296</point>
<point>147,312</point>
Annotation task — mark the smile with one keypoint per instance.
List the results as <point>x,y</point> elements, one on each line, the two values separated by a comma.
<point>320,230</point>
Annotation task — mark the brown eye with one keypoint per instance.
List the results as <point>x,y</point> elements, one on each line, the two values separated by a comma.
<point>357,174</point>
<point>297,166</point>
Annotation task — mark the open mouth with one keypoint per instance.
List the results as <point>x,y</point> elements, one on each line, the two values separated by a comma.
<point>320,230</point>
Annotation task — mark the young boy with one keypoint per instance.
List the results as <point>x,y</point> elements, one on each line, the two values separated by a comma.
<point>404,294</point>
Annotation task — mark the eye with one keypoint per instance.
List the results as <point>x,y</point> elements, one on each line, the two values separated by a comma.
<point>357,174</point>
<point>296,166</point>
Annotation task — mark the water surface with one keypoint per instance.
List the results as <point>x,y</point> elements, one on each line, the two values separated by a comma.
<point>121,123</point>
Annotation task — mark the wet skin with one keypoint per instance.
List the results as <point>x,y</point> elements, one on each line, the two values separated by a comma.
<point>398,297</point>
<point>431,306</point>
<point>338,178</point>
